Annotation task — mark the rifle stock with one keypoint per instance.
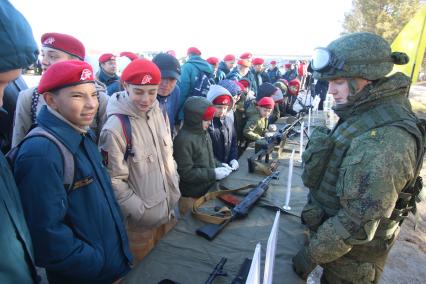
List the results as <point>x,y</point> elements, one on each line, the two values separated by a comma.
<point>210,231</point>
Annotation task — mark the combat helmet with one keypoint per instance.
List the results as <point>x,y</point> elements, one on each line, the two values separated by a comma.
<point>364,55</point>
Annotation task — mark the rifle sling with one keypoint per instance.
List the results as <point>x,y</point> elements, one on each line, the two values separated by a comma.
<point>210,196</point>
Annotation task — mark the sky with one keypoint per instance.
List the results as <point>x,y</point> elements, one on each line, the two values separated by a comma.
<point>218,27</point>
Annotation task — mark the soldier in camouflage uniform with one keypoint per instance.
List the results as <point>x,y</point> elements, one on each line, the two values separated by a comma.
<point>362,174</point>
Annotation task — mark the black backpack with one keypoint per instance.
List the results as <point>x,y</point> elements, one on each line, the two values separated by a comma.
<point>201,85</point>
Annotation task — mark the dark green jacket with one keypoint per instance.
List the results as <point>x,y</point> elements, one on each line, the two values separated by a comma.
<point>193,151</point>
<point>16,261</point>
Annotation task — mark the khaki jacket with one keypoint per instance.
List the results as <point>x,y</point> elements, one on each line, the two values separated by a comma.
<point>147,184</point>
<point>22,122</point>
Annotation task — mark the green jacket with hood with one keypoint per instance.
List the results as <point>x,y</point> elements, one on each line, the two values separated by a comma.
<point>193,151</point>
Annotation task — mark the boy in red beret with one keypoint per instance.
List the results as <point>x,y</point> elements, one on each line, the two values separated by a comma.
<point>225,66</point>
<point>107,73</point>
<point>257,124</point>
<point>137,147</point>
<point>214,63</point>
<point>221,130</point>
<point>198,169</point>
<point>273,71</point>
<point>55,48</point>
<point>259,74</point>
<point>76,226</point>
<point>194,69</point>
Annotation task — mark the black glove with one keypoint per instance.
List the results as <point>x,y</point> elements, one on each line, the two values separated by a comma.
<point>302,263</point>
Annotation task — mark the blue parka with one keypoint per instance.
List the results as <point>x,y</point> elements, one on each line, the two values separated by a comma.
<point>190,70</point>
<point>79,236</point>
<point>111,82</point>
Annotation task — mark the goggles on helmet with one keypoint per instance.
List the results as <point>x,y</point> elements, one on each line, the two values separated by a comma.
<point>323,59</point>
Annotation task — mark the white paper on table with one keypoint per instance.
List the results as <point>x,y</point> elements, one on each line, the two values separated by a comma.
<point>254,272</point>
<point>268,272</point>
<point>289,180</point>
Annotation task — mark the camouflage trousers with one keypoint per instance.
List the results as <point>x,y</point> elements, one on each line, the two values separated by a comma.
<point>364,264</point>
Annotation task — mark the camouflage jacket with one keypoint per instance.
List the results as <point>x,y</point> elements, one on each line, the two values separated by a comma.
<point>370,174</point>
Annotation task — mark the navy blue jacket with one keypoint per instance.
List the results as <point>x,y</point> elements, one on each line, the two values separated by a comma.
<point>222,71</point>
<point>79,237</point>
<point>171,104</point>
<point>274,74</point>
<point>111,82</point>
<point>224,139</point>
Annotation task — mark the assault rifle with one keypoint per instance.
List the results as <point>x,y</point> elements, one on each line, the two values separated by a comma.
<point>217,271</point>
<point>279,138</point>
<point>210,231</point>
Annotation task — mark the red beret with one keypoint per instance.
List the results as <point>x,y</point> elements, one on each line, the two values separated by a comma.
<point>222,100</point>
<point>246,55</point>
<point>65,74</point>
<point>294,82</point>
<point>213,60</point>
<point>266,102</point>
<point>288,65</point>
<point>105,57</point>
<point>65,43</point>
<point>129,55</point>
<point>244,62</point>
<point>273,62</point>
<point>257,61</point>
<point>141,72</point>
<point>193,50</point>
<point>229,57</point>
<point>245,83</point>
<point>209,113</point>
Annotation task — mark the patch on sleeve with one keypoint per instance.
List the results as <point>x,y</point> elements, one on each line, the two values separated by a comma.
<point>104,157</point>
<point>373,133</point>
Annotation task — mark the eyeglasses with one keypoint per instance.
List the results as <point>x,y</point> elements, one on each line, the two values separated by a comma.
<point>323,59</point>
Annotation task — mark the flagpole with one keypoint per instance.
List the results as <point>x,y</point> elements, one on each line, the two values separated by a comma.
<point>415,57</point>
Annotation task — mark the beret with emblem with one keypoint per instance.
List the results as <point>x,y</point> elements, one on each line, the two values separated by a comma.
<point>65,74</point>
<point>141,72</point>
<point>246,55</point>
<point>65,43</point>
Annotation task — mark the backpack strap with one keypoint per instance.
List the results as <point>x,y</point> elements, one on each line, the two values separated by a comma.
<point>67,156</point>
<point>127,131</point>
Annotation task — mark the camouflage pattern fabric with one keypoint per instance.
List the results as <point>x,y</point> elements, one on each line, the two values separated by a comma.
<point>365,55</point>
<point>355,234</point>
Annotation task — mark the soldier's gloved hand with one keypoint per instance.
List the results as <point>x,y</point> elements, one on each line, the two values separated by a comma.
<point>302,263</point>
<point>222,172</point>
<point>234,164</point>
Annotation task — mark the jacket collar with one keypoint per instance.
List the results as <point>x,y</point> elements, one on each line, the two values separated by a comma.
<point>69,136</point>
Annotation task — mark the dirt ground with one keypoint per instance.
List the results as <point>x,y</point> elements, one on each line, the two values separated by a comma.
<point>407,260</point>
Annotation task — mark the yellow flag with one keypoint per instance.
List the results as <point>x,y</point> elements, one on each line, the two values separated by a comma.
<point>412,40</point>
